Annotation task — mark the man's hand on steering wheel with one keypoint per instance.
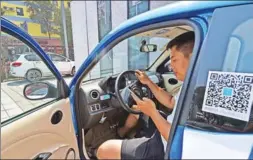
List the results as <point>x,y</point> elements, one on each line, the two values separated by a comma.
<point>146,105</point>
<point>143,78</point>
<point>123,95</point>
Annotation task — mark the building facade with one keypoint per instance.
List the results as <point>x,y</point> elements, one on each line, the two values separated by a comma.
<point>92,20</point>
<point>16,12</point>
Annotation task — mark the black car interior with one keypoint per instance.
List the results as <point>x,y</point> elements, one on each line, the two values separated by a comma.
<point>104,109</point>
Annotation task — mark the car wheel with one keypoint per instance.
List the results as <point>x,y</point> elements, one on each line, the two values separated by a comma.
<point>73,71</point>
<point>33,75</point>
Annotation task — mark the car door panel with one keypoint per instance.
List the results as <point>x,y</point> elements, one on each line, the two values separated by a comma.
<point>64,67</point>
<point>61,63</point>
<point>67,65</point>
<point>42,67</point>
<point>59,66</point>
<point>217,145</point>
<point>32,134</point>
<point>202,134</point>
<point>36,132</point>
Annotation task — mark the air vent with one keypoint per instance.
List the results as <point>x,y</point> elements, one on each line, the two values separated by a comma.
<point>94,94</point>
<point>173,81</point>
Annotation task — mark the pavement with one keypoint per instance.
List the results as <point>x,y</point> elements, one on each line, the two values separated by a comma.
<point>14,103</point>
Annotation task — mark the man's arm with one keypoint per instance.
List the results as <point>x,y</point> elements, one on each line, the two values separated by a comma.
<point>161,95</point>
<point>162,125</point>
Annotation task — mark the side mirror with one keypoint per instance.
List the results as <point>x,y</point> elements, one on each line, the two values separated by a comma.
<point>148,48</point>
<point>39,90</point>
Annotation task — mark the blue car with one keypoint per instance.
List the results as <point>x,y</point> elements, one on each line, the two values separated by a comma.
<point>213,118</point>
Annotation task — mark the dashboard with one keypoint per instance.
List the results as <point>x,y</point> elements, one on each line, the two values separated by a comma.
<point>97,99</point>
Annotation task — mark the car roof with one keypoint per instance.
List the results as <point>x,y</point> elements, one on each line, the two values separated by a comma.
<point>182,9</point>
<point>174,10</point>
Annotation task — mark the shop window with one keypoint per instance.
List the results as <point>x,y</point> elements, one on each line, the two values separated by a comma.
<point>20,11</point>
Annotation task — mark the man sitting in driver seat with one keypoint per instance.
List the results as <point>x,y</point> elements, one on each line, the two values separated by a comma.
<point>152,148</point>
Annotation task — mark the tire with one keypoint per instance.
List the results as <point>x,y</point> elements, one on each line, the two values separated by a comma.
<point>33,75</point>
<point>73,71</point>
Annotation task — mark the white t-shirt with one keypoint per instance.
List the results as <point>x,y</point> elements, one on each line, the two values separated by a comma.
<point>170,117</point>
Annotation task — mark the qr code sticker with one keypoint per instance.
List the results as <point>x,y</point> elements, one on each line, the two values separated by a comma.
<point>229,94</point>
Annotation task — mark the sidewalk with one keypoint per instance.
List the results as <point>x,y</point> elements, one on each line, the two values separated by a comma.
<point>14,103</point>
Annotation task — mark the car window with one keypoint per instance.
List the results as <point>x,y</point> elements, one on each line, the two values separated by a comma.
<point>127,55</point>
<point>32,57</point>
<point>15,76</point>
<point>15,57</point>
<point>221,92</point>
<point>58,58</point>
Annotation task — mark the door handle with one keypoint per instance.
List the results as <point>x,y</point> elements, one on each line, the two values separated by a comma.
<point>42,156</point>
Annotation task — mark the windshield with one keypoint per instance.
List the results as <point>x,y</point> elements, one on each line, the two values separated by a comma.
<point>126,55</point>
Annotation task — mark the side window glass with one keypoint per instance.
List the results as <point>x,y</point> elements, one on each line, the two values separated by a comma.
<point>62,59</point>
<point>223,87</point>
<point>32,57</point>
<point>232,54</point>
<point>54,58</point>
<point>58,58</point>
<point>18,72</point>
<point>124,58</point>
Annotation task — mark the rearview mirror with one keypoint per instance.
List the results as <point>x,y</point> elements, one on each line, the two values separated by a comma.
<point>39,90</point>
<point>148,48</point>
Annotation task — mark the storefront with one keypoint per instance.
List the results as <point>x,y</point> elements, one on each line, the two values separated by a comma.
<point>97,19</point>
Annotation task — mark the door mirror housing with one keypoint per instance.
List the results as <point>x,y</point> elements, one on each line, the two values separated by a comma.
<point>39,90</point>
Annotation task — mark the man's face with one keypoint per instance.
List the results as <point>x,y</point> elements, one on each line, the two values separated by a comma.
<point>179,63</point>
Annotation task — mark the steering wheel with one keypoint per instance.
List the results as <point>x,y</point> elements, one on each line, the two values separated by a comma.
<point>124,96</point>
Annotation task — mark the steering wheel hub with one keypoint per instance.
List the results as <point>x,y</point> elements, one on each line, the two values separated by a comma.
<point>124,95</point>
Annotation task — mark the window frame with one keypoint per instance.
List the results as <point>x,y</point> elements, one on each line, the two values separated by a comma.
<point>109,44</point>
<point>100,36</point>
<point>193,82</point>
<point>170,23</point>
<point>21,9</point>
<point>60,84</point>
<point>128,17</point>
<point>139,1</point>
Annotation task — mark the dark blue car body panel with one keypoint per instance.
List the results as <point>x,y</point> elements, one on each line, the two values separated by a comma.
<point>194,11</point>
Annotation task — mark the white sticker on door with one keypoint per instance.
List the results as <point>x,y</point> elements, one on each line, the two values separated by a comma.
<point>229,94</point>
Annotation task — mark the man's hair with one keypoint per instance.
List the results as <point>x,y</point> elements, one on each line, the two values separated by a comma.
<point>184,43</point>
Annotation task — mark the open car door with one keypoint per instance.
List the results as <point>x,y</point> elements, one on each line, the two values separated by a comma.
<point>214,117</point>
<point>33,129</point>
